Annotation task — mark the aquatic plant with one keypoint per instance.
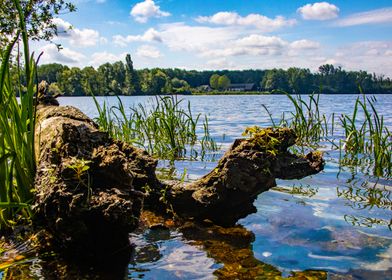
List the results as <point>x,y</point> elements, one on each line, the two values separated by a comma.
<point>306,120</point>
<point>17,118</point>
<point>367,139</point>
<point>164,128</point>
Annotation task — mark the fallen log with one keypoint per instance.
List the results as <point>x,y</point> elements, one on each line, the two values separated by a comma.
<point>90,188</point>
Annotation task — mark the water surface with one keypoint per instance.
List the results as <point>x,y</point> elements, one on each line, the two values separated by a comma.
<point>338,221</point>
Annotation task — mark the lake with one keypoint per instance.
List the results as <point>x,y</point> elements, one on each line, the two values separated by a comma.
<point>324,222</point>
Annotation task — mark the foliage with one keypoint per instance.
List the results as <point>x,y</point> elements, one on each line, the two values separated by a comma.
<point>37,18</point>
<point>17,119</point>
<point>214,81</point>
<point>223,82</point>
<point>121,78</point>
<point>164,127</point>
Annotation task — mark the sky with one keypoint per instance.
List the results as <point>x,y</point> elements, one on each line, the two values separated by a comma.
<point>226,34</point>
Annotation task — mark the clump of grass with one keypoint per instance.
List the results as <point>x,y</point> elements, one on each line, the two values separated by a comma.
<point>17,118</point>
<point>306,120</point>
<point>367,140</point>
<point>165,129</point>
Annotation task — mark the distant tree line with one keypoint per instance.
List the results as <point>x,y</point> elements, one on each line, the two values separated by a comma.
<point>121,78</point>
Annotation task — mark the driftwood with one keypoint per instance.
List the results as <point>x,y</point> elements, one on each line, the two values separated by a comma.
<point>90,188</point>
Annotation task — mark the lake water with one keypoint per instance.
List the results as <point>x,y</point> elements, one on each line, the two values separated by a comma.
<point>330,224</point>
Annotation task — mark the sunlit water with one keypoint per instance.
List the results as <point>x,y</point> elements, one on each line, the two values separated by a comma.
<point>330,225</point>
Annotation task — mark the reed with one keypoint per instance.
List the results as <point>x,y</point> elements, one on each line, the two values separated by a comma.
<point>17,118</point>
<point>367,139</point>
<point>165,128</point>
<point>306,119</point>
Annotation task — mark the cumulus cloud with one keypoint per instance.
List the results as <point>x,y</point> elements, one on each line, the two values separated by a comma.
<point>305,45</point>
<point>67,56</point>
<point>148,52</point>
<point>147,9</point>
<point>99,58</point>
<point>220,63</point>
<point>183,37</point>
<point>77,37</point>
<point>259,21</point>
<point>318,11</point>
<point>253,45</point>
<point>369,17</point>
<point>150,35</point>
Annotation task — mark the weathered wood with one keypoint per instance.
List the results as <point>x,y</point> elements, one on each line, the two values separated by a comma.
<point>90,188</point>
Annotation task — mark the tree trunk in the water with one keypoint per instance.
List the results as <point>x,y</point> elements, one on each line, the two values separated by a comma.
<point>90,188</point>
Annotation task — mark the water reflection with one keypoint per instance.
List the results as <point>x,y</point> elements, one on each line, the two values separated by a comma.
<point>226,253</point>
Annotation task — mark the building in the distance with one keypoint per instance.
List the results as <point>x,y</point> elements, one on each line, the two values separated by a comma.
<point>242,87</point>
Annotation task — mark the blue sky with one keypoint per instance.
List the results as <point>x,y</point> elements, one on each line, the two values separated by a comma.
<point>217,34</point>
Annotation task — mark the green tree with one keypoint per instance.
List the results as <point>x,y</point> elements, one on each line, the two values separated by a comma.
<point>37,14</point>
<point>49,72</point>
<point>92,81</point>
<point>275,79</point>
<point>214,81</point>
<point>70,82</point>
<point>132,81</point>
<point>180,86</point>
<point>223,82</point>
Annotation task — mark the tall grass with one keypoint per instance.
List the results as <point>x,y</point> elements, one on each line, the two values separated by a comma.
<point>17,162</point>
<point>165,128</point>
<point>307,121</point>
<point>367,140</point>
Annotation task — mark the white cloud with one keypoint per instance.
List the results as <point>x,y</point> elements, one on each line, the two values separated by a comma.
<point>367,55</point>
<point>142,11</point>
<point>220,63</point>
<point>182,37</point>
<point>150,35</point>
<point>370,17</point>
<point>305,45</point>
<point>77,37</point>
<point>148,52</point>
<point>259,21</point>
<point>52,54</point>
<point>100,58</point>
<point>255,40</point>
<point>318,11</point>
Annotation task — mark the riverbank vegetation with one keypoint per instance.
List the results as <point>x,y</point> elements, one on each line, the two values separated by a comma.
<point>120,78</point>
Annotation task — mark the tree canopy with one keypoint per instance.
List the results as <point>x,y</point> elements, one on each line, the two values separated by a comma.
<point>122,79</point>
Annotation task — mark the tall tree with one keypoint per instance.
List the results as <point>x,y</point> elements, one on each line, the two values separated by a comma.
<point>132,81</point>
